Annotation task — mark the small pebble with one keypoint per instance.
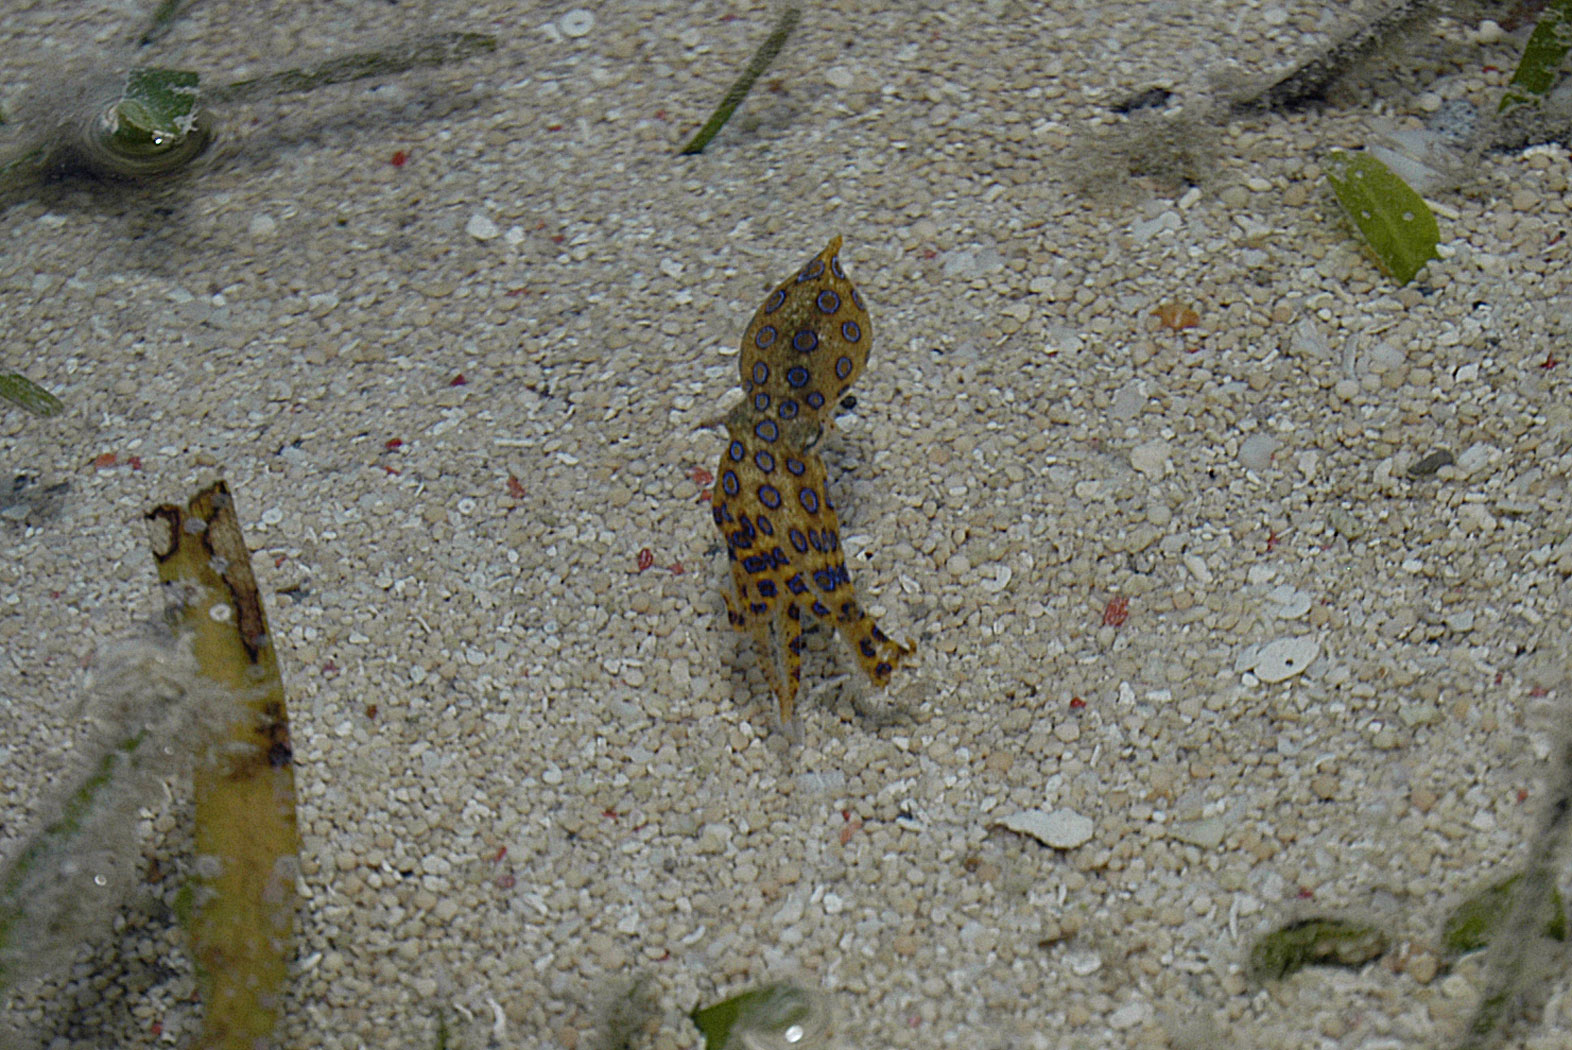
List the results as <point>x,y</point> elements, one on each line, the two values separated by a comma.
<point>1255,451</point>
<point>1423,967</point>
<point>262,225</point>
<point>1431,463</point>
<point>995,578</point>
<point>1287,603</point>
<point>1129,1015</point>
<point>1083,962</point>
<point>1421,714</point>
<point>1145,230</point>
<point>1151,458</point>
<point>1206,833</point>
<point>576,23</point>
<point>481,227</point>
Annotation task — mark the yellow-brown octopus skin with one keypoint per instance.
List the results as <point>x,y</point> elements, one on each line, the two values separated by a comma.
<point>802,351</point>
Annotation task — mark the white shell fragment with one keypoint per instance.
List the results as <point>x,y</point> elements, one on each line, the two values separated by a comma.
<point>1061,829</point>
<point>1285,657</point>
<point>576,23</point>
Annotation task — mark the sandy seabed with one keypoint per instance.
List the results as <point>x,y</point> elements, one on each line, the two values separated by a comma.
<point>452,338</point>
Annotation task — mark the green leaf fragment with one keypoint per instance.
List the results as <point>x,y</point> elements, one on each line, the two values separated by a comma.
<point>1474,922</point>
<point>1540,65</point>
<point>1314,942</point>
<point>780,1012</point>
<point>1394,220</point>
<point>23,391</point>
<point>158,103</point>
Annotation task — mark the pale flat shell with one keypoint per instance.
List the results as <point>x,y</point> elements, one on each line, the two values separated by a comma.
<point>1061,828</point>
<point>1286,657</point>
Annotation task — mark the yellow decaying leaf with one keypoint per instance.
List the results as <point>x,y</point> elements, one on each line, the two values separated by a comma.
<point>246,839</point>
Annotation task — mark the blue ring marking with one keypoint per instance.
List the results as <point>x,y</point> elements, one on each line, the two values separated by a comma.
<point>866,646</point>
<point>736,451</point>
<point>767,590</point>
<point>787,408</point>
<point>882,669</point>
<point>764,524</point>
<point>796,584</point>
<point>797,376</point>
<point>763,338</point>
<point>812,270</point>
<point>729,483</point>
<point>774,302</point>
<point>758,608</point>
<point>756,563</point>
<point>850,331</point>
<point>806,340</point>
<point>746,526</point>
<point>792,611</point>
<point>815,540</point>
<point>857,299</point>
<point>809,500</point>
<point>819,609</point>
<point>798,540</point>
<point>767,430</point>
<point>835,267</point>
<point>769,496</point>
<point>831,541</point>
<point>815,400</point>
<point>795,465</point>
<point>765,461</point>
<point>778,558</point>
<point>761,401</point>
<point>761,371</point>
<point>724,512</point>
<point>715,512</point>
<point>825,579</point>
<point>878,635</point>
<point>827,301</point>
<point>739,540</point>
<point>843,367</point>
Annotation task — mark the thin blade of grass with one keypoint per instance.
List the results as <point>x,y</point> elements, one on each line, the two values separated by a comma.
<point>26,925</point>
<point>21,390</point>
<point>435,50</point>
<point>163,17</point>
<point>739,89</point>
